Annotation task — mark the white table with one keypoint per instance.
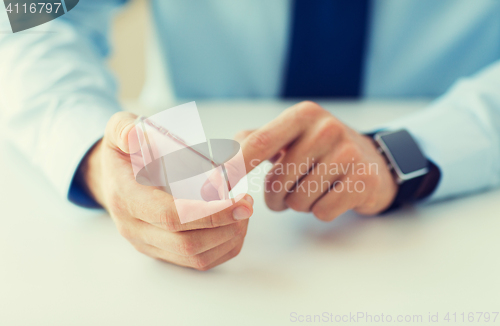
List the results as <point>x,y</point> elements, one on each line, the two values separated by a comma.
<point>63,265</point>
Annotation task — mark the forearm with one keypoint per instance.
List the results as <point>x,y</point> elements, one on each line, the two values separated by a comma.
<point>57,95</point>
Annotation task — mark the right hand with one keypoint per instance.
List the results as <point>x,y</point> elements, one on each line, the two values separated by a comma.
<point>147,217</point>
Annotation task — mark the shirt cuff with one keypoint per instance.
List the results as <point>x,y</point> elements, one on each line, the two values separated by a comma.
<point>454,140</point>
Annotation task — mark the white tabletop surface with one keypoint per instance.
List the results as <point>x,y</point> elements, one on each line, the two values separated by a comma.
<point>63,265</point>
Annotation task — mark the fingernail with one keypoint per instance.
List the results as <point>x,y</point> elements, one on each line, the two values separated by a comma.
<point>249,199</point>
<point>241,213</point>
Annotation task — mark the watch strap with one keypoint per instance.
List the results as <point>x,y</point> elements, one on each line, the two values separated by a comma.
<point>414,189</point>
<point>406,193</point>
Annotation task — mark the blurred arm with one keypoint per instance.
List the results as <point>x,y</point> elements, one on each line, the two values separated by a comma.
<point>460,132</point>
<point>56,94</point>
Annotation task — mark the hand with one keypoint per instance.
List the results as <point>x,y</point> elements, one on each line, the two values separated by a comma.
<point>325,167</point>
<point>146,216</point>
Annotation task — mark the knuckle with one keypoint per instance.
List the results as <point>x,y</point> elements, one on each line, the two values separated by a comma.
<point>308,109</point>
<point>332,128</point>
<point>351,151</point>
<point>242,134</point>
<point>200,263</point>
<point>187,248</point>
<point>328,130</point>
<point>168,220</point>
<point>142,249</point>
<point>125,231</point>
<point>259,140</point>
<point>204,269</point>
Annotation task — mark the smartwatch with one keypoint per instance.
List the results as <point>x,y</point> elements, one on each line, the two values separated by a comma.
<point>406,162</point>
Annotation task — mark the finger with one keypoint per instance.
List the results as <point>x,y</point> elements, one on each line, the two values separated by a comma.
<point>240,136</point>
<point>221,215</point>
<point>269,142</point>
<point>219,255</point>
<point>317,182</point>
<point>230,255</point>
<point>187,243</point>
<point>159,208</point>
<point>120,132</point>
<point>284,177</point>
<point>265,142</point>
<point>335,202</point>
<point>309,190</point>
<point>202,261</point>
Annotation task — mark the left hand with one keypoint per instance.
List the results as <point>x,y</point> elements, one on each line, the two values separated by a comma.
<point>325,166</point>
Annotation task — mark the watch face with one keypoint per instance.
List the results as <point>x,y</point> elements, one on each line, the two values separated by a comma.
<point>404,151</point>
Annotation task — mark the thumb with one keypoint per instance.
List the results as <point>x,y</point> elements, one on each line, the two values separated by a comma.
<point>120,132</point>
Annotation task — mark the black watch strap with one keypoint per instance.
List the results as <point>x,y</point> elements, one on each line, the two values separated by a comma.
<point>417,188</point>
<point>406,193</point>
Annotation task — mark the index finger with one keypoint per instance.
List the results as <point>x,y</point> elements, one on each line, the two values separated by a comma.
<point>266,142</point>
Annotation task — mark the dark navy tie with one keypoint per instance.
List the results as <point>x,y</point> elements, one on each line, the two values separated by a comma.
<point>327,45</point>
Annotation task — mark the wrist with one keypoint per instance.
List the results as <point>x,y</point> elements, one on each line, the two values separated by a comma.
<point>385,188</point>
<point>388,181</point>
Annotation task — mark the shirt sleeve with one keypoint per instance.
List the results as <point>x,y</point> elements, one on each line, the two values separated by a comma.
<point>56,94</point>
<point>460,132</point>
